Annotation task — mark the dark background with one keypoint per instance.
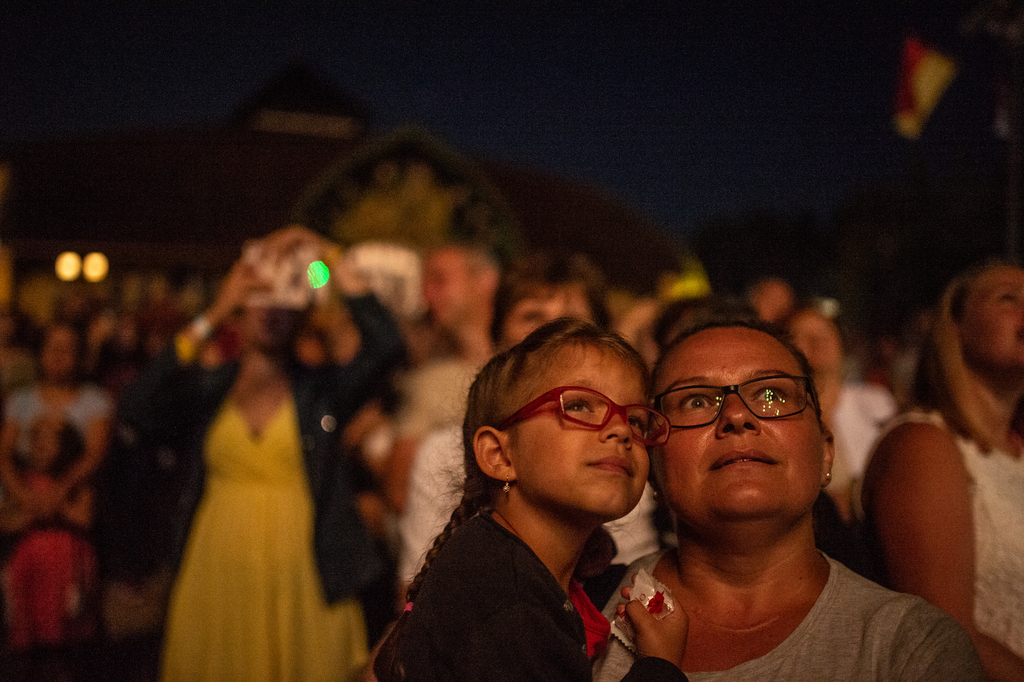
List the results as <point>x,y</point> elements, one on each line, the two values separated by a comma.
<point>760,133</point>
<point>686,110</point>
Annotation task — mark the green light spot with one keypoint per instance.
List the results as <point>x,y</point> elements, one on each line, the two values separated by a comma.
<point>318,274</point>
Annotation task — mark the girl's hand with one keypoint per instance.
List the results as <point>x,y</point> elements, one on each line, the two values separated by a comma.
<point>664,638</point>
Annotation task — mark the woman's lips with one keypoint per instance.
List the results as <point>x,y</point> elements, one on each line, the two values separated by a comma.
<point>748,456</point>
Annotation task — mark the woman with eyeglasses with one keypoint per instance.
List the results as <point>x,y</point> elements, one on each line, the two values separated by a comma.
<point>555,440</point>
<point>747,457</point>
<point>944,489</point>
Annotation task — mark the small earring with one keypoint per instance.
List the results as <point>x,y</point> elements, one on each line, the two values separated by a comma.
<point>828,478</point>
<point>507,487</point>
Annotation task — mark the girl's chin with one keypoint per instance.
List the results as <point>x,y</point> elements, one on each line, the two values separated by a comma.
<point>615,511</point>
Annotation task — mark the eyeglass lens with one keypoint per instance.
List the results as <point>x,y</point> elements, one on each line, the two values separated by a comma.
<point>767,398</point>
<point>591,408</point>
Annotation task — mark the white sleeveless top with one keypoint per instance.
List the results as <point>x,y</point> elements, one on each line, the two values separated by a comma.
<point>997,494</point>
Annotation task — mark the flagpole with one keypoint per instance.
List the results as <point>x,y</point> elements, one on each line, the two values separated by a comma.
<point>1004,20</point>
<point>1013,150</point>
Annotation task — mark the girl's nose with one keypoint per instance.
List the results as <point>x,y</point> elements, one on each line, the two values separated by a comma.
<point>619,426</point>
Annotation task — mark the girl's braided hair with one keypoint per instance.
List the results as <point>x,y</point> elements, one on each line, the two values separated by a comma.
<point>507,381</point>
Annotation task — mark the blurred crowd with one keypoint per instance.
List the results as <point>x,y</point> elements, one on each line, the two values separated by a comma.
<point>98,450</point>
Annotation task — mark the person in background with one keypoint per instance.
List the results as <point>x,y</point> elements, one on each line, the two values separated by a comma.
<point>542,286</point>
<point>59,391</point>
<point>17,366</point>
<point>459,281</point>
<point>270,552</point>
<point>116,353</point>
<point>772,298</point>
<point>51,582</point>
<point>944,489</point>
<point>852,410</point>
<point>747,458</point>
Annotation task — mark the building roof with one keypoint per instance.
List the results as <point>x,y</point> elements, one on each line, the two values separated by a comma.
<point>298,100</point>
<point>190,198</point>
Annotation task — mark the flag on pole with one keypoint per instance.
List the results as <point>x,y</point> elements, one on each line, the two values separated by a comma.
<point>924,76</point>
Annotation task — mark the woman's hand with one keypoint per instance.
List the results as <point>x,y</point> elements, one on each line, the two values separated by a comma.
<point>343,276</point>
<point>240,281</point>
<point>243,278</point>
<point>661,638</point>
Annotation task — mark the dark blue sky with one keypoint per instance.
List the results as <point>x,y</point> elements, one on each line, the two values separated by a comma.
<point>685,110</point>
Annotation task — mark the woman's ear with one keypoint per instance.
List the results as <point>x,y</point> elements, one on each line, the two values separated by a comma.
<point>830,454</point>
<point>491,448</point>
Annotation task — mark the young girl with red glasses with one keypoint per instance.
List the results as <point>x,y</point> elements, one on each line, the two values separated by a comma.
<point>555,439</point>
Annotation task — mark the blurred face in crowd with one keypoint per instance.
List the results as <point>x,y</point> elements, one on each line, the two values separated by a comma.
<point>271,330</point>
<point>772,299</point>
<point>126,333</point>
<point>58,358</point>
<point>449,286</point>
<point>739,467</point>
<point>818,338</point>
<point>992,324</point>
<point>546,303</point>
<point>310,348</point>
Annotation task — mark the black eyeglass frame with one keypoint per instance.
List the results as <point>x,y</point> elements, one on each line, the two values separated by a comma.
<point>812,397</point>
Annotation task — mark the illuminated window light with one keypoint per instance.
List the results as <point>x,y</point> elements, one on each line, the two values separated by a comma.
<point>68,266</point>
<point>95,267</point>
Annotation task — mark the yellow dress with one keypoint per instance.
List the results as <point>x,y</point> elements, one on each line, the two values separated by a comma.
<point>247,603</point>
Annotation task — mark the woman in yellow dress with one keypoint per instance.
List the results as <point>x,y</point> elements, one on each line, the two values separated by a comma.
<point>272,551</point>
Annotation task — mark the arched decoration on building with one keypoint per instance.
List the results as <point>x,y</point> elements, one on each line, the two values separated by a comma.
<point>409,188</point>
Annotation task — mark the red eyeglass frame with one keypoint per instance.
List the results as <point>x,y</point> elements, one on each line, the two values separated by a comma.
<point>555,395</point>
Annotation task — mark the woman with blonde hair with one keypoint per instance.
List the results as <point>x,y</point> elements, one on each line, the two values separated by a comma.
<point>944,490</point>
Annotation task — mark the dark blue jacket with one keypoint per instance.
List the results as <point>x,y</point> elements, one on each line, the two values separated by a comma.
<point>171,406</point>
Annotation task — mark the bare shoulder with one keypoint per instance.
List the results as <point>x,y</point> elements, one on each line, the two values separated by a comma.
<point>913,444</point>
<point>916,468</point>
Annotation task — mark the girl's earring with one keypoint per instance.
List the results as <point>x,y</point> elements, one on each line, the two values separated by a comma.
<point>507,487</point>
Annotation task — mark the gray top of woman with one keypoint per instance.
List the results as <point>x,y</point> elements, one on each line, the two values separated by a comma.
<point>857,630</point>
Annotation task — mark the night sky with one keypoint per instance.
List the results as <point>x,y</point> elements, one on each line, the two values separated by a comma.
<point>684,110</point>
